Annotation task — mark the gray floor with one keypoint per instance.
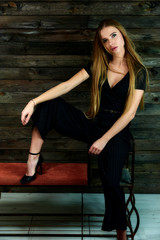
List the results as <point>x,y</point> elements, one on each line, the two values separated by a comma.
<point>148,206</point>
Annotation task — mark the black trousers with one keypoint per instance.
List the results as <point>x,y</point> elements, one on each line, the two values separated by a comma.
<point>68,120</point>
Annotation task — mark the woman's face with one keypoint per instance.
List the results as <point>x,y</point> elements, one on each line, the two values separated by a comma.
<point>113,40</point>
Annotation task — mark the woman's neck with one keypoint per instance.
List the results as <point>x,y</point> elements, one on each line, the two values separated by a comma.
<point>119,60</point>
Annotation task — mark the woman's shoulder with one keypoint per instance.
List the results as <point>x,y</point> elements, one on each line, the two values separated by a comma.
<point>88,68</point>
<point>140,78</point>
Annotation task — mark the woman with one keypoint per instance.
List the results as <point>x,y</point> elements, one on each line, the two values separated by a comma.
<point>118,83</point>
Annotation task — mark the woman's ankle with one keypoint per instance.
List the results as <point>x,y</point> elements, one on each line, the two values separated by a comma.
<point>31,164</point>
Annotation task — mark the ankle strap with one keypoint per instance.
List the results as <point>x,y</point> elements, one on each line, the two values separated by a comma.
<point>34,153</point>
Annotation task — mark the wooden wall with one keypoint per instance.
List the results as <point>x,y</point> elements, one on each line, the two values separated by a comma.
<point>43,43</point>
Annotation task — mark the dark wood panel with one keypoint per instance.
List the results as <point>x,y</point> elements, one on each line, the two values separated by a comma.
<point>153,97</point>
<point>129,21</point>
<point>32,48</point>
<point>25,132</point>
<point>147,145</point>
<point>74,22</point>
<point>12,109</point>
<point>43,85</point>
<point>61,144</point>
<point>38,85</point>
<point>147,188</point>
<point>88,8</point>
<point>59,156</point>
<point>65,144</point>
<point>138,122</point>
<point>38,73</point>
<point>63,72</point>
<point>44,22</point>
<point>148,48</point>
<point>14,97</point>
<point>69,35</point>
<point>71,59</point>
<point>74,96</point>
<point>44,61</point>
<point>144,134</point>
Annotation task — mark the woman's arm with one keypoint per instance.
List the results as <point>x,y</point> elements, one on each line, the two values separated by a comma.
<point>52,93</point>
<point>62,88</point>
<point>119,125</point>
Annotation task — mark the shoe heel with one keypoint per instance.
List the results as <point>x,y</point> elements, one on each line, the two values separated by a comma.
<point>40,169</point>
<point>39,165</point>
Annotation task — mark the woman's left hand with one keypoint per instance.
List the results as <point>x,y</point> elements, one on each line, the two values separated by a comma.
<point>97,146</point>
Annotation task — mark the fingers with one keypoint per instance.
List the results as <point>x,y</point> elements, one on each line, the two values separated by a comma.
<point>94,150</point>
<point>25,118</point>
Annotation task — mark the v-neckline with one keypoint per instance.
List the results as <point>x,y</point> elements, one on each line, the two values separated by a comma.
<point>117,82</point>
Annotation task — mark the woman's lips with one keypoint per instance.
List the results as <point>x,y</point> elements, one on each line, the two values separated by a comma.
<point>113,49</point>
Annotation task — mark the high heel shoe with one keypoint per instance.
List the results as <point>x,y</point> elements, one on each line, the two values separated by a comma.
<point>27,179</point>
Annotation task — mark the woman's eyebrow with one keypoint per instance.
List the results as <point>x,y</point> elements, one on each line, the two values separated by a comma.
<point>112,33</point>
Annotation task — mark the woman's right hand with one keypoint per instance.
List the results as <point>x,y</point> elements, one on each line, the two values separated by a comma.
<point>27,112</point>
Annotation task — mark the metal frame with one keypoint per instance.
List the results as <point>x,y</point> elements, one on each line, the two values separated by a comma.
<point>82,190</point>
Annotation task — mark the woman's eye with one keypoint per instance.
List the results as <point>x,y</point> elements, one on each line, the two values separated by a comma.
<point>104,40</point>
<point>113,35</point>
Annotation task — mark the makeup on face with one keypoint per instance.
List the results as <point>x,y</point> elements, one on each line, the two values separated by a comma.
<point>112,39</point>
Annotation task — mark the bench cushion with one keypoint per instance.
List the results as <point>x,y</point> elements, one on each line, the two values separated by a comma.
<point>53,174</point>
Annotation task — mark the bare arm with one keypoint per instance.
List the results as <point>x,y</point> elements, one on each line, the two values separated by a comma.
<point>62,88</point>
<point>52,93</point>
<point>119,125</point>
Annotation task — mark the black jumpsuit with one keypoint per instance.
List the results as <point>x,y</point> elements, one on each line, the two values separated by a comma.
<point>70,121</point>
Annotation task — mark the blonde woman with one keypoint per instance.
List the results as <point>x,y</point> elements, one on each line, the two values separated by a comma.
<point>118,82</point>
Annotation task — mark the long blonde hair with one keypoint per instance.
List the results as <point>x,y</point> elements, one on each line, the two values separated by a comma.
<point>101,59</point>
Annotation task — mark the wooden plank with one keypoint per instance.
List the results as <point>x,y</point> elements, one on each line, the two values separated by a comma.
<point>44,22</point>
<point>128,21</point>
<point>69,35</point>
<point>14,97</point>
<point>147,156</point>
<point>71,145</point>
<point>74,22</point>
<point>74,96</point>
<point>11,109</point>
<point>48,59</point>
<point>44,61</point>
<point>20,132</point>
<point>153,97</point>
<point>43,85</point>
<point>88,8</point>
<point>33,48</point>
<point>38,73</point>
<point>61,72</point>
<point>38,85</point>
<point>62,144</point>
<point>147,188</point>
<point>151,177</point>
<point>11,139</point>
<point>138,122</point>
<point>147,145</point>
<point>14,109</point>
<point>148,50</point>
<point>59,156</point>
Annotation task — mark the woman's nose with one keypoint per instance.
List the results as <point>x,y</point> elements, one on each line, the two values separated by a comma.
<point>111,42</point>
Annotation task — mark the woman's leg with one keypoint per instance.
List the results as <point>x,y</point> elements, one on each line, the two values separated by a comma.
<point>35,147</point>
<point>64,118</point>
<point>111,162</point>
<point>121,235</point>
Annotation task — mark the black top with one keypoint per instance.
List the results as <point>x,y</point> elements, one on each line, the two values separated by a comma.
<point>114,98</point>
